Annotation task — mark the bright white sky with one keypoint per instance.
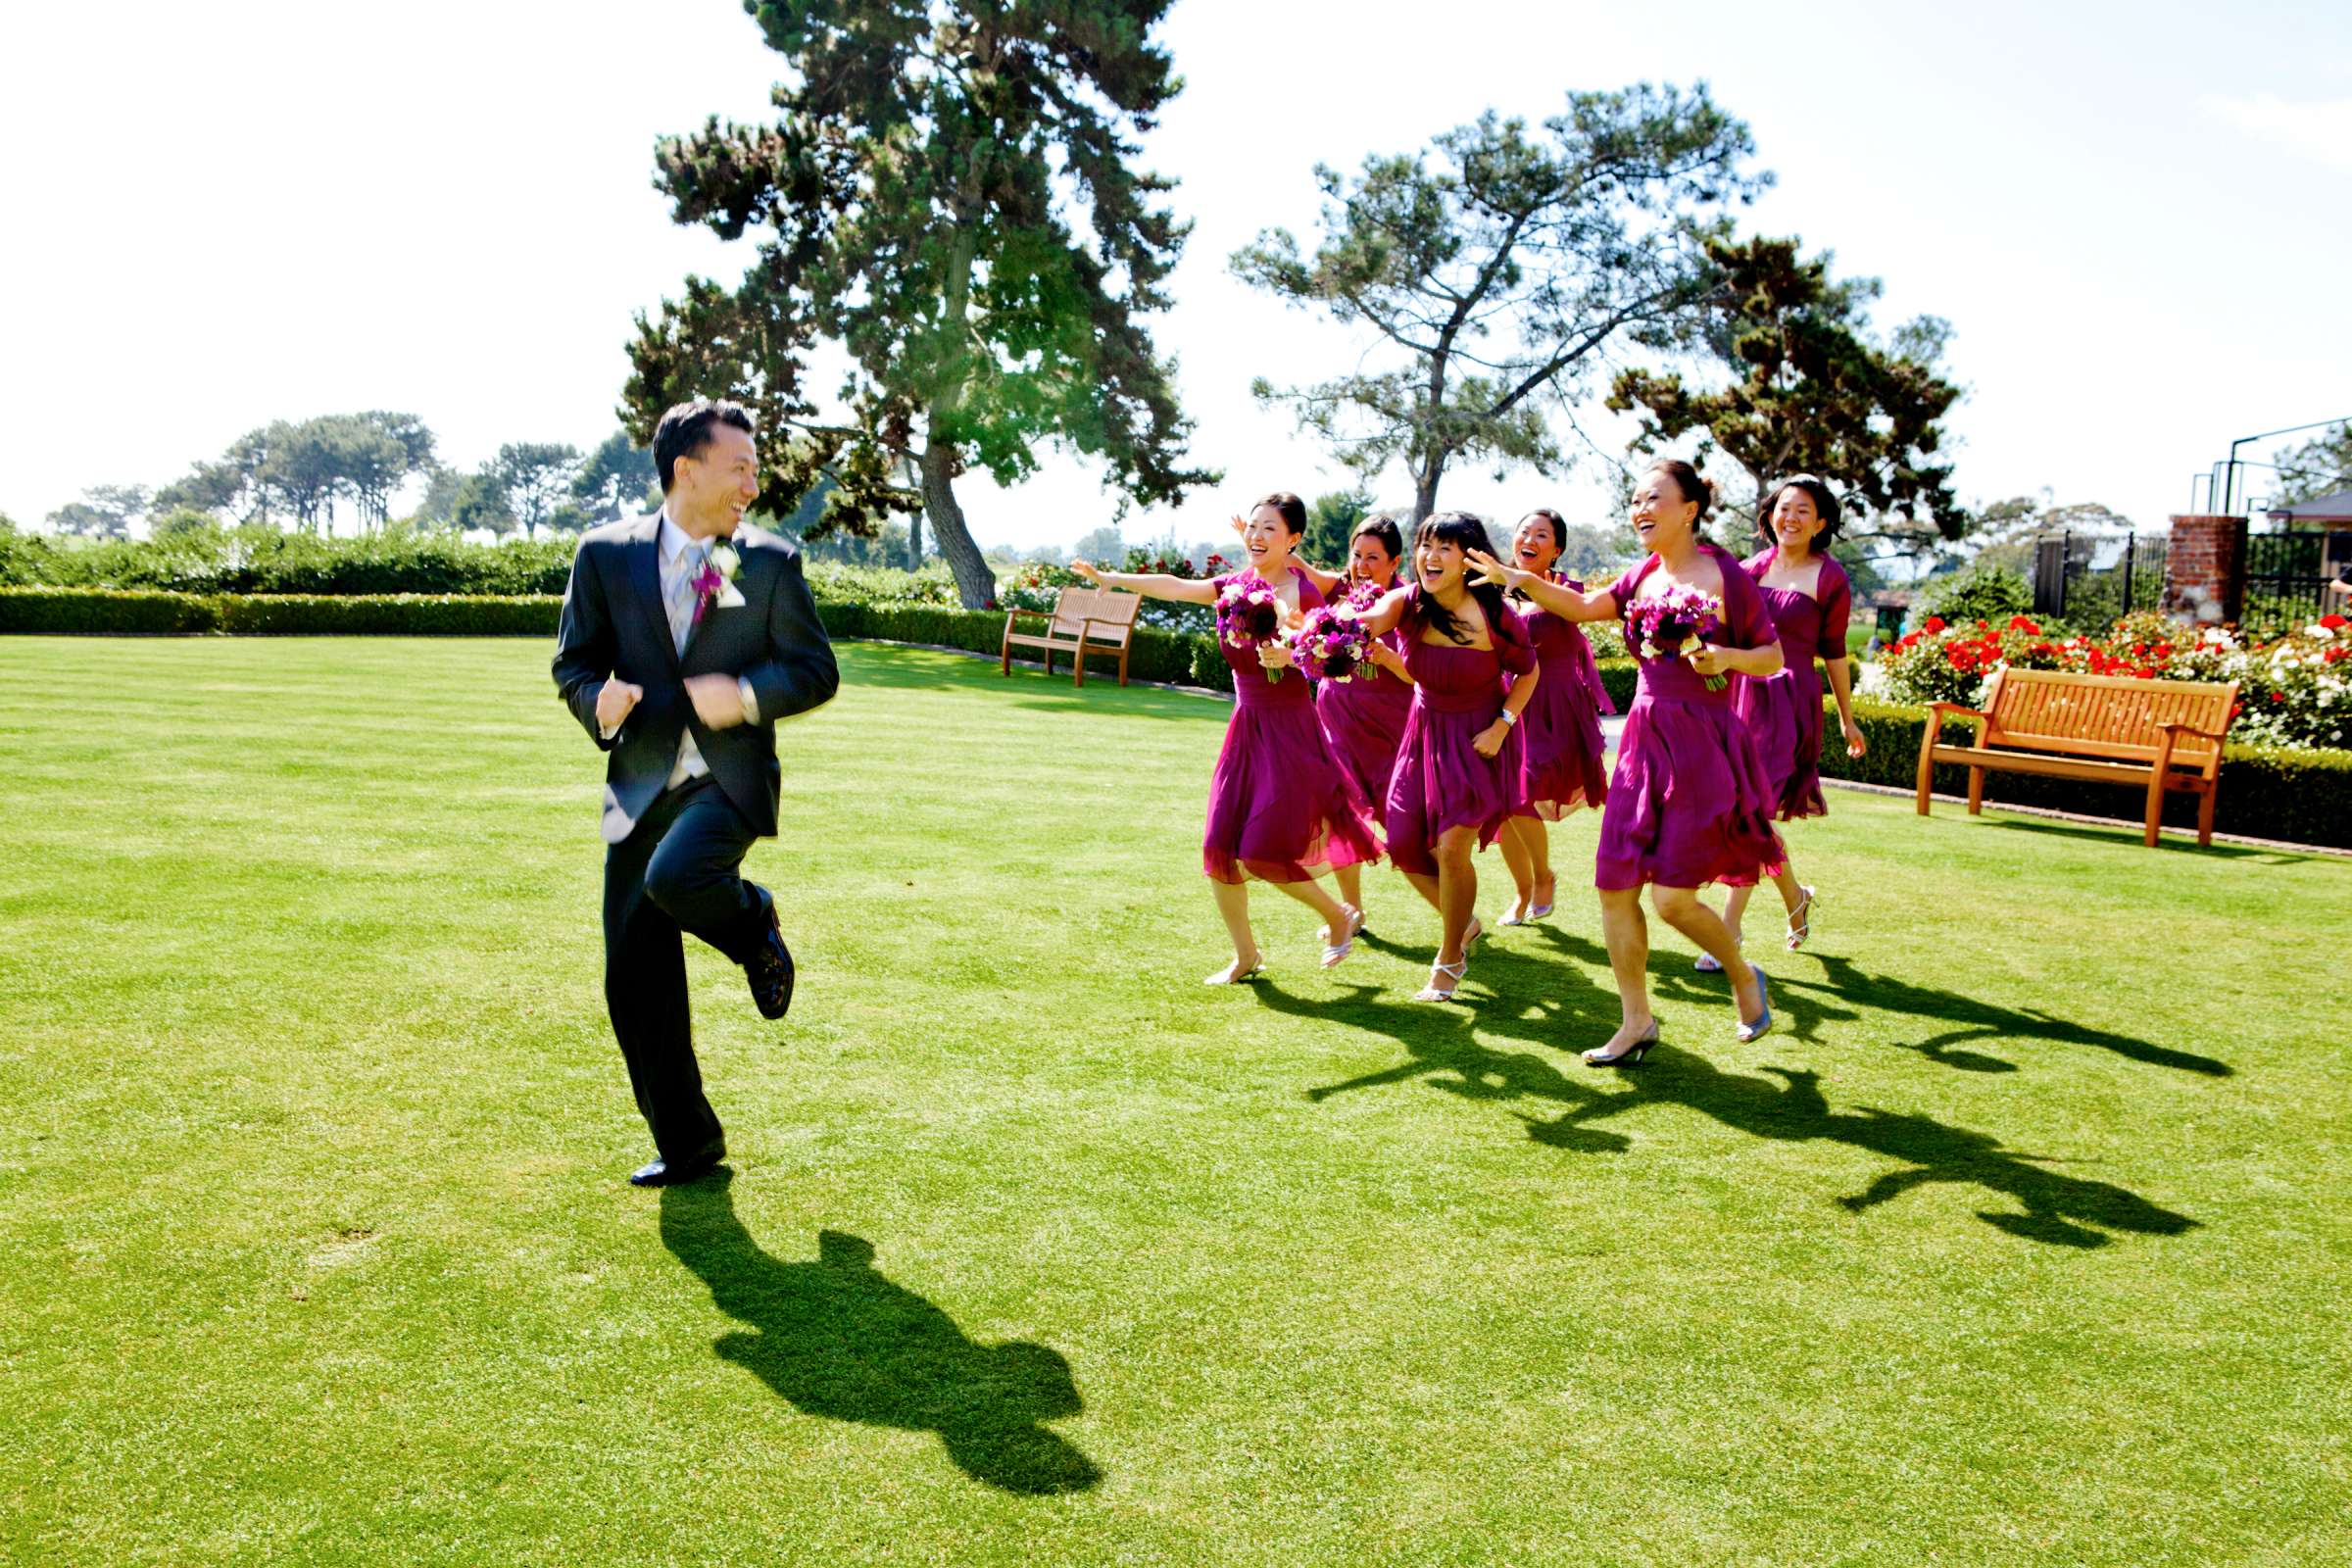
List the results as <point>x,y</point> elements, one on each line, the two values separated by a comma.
<point>2137,216</point>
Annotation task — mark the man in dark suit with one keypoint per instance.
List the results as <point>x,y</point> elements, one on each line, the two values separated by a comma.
<point>686,637</point>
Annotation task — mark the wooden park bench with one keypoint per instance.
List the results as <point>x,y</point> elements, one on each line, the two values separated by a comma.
<point>1084,621</point>
<point>2111,729</point>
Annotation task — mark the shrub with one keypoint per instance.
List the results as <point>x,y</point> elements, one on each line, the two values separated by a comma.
<point>1978,593</point>
<point>2292,689</point>
<point>85,610</point>
<point>389,616</point>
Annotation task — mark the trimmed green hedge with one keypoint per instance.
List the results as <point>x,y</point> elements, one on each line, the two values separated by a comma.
<point>120,612</point>
<point>2302,797</point>
<point>110,610</point>
<point>1163,655</point>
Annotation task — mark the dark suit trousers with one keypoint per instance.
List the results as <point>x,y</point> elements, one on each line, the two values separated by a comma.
<point>677,872</point>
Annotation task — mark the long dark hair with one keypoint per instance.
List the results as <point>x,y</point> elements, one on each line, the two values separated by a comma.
<point>1424,611</point>
<point>1824,507</point>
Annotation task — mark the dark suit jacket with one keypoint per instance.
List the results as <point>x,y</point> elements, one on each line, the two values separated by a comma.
<point>614,625</point>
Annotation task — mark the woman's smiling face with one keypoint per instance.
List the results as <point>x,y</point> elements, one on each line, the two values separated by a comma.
<point>1369,560</point>
<point>1534,544</point>
<point>1795,519</point>
<point>1661,515</point>
<point>1438,562</point>
<point>1267,538</point>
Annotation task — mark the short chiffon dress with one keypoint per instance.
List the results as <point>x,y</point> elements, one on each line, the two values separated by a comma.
<point>1690,801</point>
<point>1559,732</point>
<point>1441,782</point>
<point>1784,713</point>
<point>1281,807</point>
<point>1364,718</point>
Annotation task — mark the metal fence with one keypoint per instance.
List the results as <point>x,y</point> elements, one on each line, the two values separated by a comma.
<point>2287,572</point>
<point>2092,579</point>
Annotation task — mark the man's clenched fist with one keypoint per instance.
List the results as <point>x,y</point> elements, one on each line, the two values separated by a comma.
<point>717,699</point>
<point>613,702</point>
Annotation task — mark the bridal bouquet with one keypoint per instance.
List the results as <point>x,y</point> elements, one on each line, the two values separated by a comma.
<point>1249,615</point>
<point>1331,646</point>
<point>1674,623</point>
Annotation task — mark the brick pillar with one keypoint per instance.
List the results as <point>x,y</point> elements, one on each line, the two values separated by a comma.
<point>2205,570</point>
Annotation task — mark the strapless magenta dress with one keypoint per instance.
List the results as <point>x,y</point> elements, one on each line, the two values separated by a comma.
<point>1440,781</point>
<point>1785,713</point>
<point>1691,801</point>
<point>1280,806</point>
<point>1559,733</point>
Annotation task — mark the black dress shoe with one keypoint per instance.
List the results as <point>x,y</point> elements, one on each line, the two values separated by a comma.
<point>671,1173</point>
<point>770,970</point>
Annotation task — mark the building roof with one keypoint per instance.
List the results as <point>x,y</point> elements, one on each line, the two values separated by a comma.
<point>2336,508</point>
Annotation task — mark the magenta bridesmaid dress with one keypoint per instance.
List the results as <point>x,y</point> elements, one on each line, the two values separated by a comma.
<point>1559,731</point>
<point>1363,718</point>
<point>1784,713</point>
<point>1440,781</point>
<point>1281,807</point>
<point>1690,801</point>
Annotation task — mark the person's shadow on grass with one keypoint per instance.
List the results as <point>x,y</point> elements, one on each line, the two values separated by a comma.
<point>1441,1050</point>
<point>837,1338</point>
<point>2060,1209</point>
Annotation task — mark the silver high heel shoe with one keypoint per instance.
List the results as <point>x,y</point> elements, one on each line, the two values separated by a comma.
<point>1753,1028</point>
<point>1631,1055</point>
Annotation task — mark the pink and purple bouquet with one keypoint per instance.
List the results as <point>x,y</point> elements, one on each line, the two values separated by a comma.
<point>1331,646</point>
<point>1362,595</point>
<point>1675,624</point>
<point>1249,615</point>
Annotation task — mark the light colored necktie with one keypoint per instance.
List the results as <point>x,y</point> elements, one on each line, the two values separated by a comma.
<point>681,595</point>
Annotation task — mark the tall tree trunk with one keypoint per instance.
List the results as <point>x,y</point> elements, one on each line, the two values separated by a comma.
<point>1425,488</point>
<point>915,541</point>
<point>975,583</point>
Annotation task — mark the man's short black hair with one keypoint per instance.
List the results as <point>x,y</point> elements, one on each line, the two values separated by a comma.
<point>686,429</point>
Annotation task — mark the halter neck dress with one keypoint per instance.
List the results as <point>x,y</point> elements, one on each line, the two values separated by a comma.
<point>1281,807</point>
<point>1691,801</point>
<point>1784,713</point>
<point>1441,782</point>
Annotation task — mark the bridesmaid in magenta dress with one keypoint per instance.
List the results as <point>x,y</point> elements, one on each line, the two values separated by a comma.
<point>1458,765</point>
<point>1689,802</point>
<point>1810,600</point>
<point>1560,737</point>
<point>1280,807</point>
<point>1363,718</point>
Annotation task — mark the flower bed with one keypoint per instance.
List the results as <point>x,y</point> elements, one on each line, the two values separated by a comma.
<point>2292,689</point>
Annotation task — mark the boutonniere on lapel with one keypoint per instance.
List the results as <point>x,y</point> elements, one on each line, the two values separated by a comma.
<point>715,585</point>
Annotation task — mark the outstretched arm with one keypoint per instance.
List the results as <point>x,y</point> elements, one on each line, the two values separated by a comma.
<point>1569,604</point>
<point>1382,619</point>
<point>1150,584</point>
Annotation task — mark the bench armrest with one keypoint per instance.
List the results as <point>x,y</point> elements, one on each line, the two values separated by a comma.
<point>1955,711</point>
<point>1120,627</point>
<point>2191,729</point>
<point>1015,613</point>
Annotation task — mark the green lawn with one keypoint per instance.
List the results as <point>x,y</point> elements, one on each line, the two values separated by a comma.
<point>2025,1240</point>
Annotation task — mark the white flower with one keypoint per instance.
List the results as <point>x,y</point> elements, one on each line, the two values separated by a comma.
<point>728,596</point>
<point>728,563</point>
